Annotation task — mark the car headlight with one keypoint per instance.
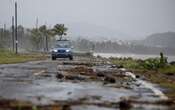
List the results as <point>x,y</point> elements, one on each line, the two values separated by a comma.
<point>54,50</point>
<point>67,50</point>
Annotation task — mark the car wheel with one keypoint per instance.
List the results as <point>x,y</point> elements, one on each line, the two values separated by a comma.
<point>70,57</point>
<point>53,58</point>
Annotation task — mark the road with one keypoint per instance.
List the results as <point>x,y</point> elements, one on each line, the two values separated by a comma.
<point>82,84</point>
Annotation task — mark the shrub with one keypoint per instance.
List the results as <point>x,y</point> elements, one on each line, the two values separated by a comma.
<point>155,63</point>
<point>151,63</point>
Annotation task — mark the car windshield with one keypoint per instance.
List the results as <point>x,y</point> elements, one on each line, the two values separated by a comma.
<point>63,44</point>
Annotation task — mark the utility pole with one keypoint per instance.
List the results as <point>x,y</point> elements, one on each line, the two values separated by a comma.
<point>16,29</point>
<point>46,43</point>
<point>13,34</point>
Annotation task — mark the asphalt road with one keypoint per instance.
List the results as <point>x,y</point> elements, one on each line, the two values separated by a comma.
<point>84,84</point>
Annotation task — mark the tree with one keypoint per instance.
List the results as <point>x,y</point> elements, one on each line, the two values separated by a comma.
<point>1,37</point>
<point>21,39</point>
<point>36,38</point>
<point>60,30</point>
<point>47,33</point>
<point>5,38</point>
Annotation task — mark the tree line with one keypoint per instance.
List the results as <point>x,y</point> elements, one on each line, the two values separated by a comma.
<point>118,47</point>
<point>32,39</point>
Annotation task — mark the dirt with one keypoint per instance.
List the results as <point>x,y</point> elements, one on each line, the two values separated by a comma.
<point>82,84</point>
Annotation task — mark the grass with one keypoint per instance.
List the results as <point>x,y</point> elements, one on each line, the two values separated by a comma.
<point>168,69</point>
<point>126,62</point>
<point>163,76</point>
<point>7,57</point>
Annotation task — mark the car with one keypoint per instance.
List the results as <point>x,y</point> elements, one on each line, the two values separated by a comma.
<point>62,49</point>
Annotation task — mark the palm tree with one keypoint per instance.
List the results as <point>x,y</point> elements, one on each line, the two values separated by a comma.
<point>60,30</point>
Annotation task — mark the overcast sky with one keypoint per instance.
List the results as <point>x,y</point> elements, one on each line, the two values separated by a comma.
<point>133,17</point>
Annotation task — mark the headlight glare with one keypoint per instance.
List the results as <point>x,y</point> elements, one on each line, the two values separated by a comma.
<point>54,50</point>
<point>67,50</point>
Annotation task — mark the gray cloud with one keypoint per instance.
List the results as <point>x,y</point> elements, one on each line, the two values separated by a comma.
<point>134,17</point>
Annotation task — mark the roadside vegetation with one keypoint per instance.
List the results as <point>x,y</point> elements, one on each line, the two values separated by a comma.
<point>7,57</point>
<point>35,41</point>
<point>32,39</point>
<point>156,70</point>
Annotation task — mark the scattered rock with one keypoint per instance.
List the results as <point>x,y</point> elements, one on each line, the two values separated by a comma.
<point>66,107</point>
<point>99,74</point>
<point>59,76</point>
<point>47,75</point>
<point>170,74</point>
<point>98,56</point>
<point>96,97</point>
<point>114,66</point>
<point>69,93</point>
<point>109,79</point>
<point>117,66</point>
<point>125,105</point>
<point>137,76</point>
<point>120,66</point>
<point>73,77</point>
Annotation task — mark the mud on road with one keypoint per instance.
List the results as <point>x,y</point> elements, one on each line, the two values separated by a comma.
<point>82,84</point>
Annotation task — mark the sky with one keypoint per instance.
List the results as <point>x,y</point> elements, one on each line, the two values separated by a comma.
<point>133,17</point>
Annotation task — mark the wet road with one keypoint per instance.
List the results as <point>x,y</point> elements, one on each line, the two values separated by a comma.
<point>84,84</point>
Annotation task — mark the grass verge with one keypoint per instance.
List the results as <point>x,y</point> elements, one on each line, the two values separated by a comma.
<point>7,57</point>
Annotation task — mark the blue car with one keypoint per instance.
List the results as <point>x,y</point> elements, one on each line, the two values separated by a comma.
<point>62,49</point>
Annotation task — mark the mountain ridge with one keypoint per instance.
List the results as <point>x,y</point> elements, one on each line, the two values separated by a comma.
<point>165,39</point>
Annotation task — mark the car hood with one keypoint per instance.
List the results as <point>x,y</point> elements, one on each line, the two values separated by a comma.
<point>61,48</point>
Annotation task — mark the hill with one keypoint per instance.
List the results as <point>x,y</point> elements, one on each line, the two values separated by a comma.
<point>166,39</point>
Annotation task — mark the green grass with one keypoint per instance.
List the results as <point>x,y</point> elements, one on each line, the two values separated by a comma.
<point>126,62</point>
<point>168,69</point>
<point>7,57</point>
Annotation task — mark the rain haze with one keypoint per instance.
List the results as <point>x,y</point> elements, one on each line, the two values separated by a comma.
<point>87,54</point>
<point>130,19</point>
